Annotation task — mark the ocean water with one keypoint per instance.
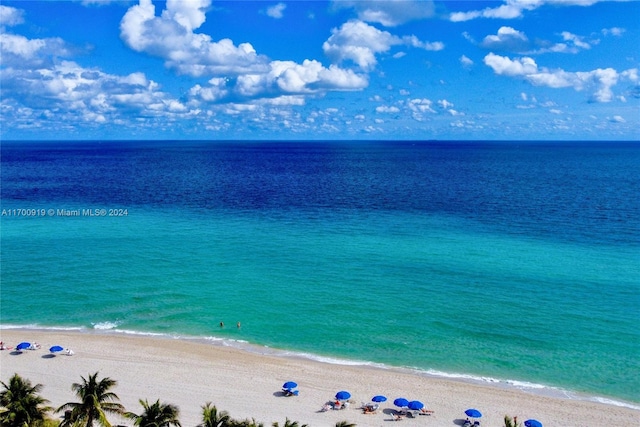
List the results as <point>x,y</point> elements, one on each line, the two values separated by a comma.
<point>515,263</point>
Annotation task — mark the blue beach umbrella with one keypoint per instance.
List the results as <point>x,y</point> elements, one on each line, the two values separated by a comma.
<point>473,413</point>
<point>55,349</point>
<point>401,402</point>
<point>343,395</point>
<point>533,423</point>
<point>379,398</point>
<point>23,346</point>
<point>415,405</point>
<point>289,385</point>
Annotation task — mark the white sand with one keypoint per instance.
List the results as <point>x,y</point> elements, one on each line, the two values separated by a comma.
<point>248,385</point>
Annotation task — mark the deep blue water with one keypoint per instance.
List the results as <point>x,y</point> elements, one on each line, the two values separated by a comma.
<point>516,261</point>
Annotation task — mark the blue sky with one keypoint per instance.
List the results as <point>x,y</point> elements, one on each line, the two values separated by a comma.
<point>425,70</point>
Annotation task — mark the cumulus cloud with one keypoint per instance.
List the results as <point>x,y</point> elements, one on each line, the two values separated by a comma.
<point>20,52</point>
<point>170,36</point>
<point>284,78</point>
<point>10,16</point>
<point>507,39</point>
<point>87,94</point>
<point>360,42</point>
<point>505,66</point>
<point>514,9</point>
<point>387,109</point>
<point>276,11</point>
<point>602,80</point>
<point>388,13</point>
<point>246,73</point>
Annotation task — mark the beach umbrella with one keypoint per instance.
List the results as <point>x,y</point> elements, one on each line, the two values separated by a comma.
<point>378,399</point>
<point>343,395</point>
<point>55,349</point>
<point>289,385</point>
<point>23,346</point>
<point>473,413</point>
<point>415,405</point>
<point>533,423</point>
<point>401,402</point>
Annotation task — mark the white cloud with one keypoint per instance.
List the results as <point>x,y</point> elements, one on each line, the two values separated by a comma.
<point>575,40</point>
<point>284,78</point>
<point>18,51</point>
<point>511,40</point>
<point>360,42</point>
<point>617,119</point>
<point>615,31</point>
<point>171,37</point>
<point>388,13</point>
<point>602,79</point>
<point>466,62</point>
<point>445,104</point>
<point>276,10</point>
<point>514,9</point>
<point>77,92</point>
<point>386,109</point>
<point>504,66</point>
<point>422,105</point>
<point>508,39</point>
<point>97,2</point>
<point>415,42</point>
<point>10,16</point>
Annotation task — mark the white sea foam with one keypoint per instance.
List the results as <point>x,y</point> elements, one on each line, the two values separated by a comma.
<point>44,328</point>
<point>105,325</point>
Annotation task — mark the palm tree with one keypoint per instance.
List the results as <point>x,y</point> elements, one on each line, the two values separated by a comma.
<point>244,423</point>
<point>345,424</point>
<point>156,415</point>
<point>211,417</point>
<point>289,423</point>
<point>95,402</point>
<point>21,405</point>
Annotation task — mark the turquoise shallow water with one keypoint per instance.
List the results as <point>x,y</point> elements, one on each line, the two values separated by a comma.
<point>515,290</point>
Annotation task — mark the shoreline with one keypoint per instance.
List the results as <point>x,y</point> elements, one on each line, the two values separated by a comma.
<point>523,386</point>
<point>188,373</point>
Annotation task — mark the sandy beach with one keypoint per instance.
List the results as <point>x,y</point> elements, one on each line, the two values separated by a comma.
<point>248,385</point>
